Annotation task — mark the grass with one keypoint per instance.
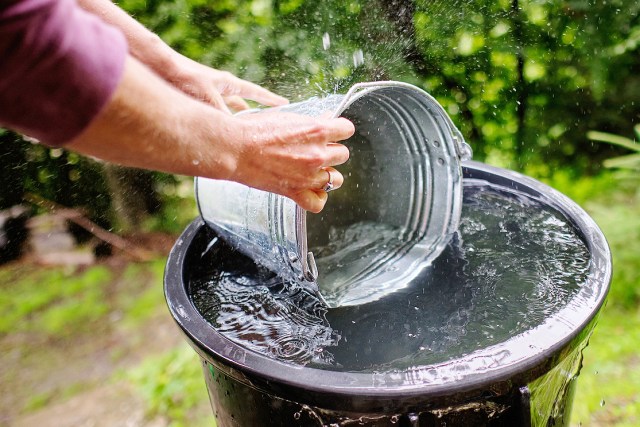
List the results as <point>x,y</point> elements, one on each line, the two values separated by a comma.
<point>608,392</point>
<point>62,330</point>
<point>141,302</point>
<point>53,302</point>
<point>173,386</point>
<point>58,302</point>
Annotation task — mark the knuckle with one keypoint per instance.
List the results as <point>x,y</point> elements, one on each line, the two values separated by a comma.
<point>319,132</point>
<point>226,75</point>
<point>314,158</point>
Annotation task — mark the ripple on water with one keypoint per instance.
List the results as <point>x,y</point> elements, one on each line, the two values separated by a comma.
<point>513,263</point>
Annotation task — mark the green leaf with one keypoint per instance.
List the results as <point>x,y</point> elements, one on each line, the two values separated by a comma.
<point>631,161</point>
<point>614,139</point>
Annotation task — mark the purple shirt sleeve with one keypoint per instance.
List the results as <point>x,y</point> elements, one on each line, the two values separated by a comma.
<point>59,66</point>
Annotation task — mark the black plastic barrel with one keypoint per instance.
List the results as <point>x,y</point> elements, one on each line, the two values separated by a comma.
<point>251,389</point>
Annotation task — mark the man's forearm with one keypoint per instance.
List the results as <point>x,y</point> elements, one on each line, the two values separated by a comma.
<point>149,124</point>
<point>60,66</point>
<point>144,45</point>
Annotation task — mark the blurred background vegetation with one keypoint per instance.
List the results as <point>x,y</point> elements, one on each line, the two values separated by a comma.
<point>547,87</point>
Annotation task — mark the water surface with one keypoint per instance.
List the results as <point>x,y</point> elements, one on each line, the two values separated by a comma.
<point>513,263</point>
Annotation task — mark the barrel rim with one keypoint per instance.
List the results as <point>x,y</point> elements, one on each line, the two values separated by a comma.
<point>216,348</point>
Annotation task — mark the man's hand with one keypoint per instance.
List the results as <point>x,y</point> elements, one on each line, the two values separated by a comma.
<point>218,88</point>
<point>150,124</point>
<point>290,154</point>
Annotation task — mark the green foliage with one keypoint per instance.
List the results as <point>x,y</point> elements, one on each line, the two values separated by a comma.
<point>173,386</point>
<point>629,161</point>
<point>530,78</point>
<point>620,223</point>
<point>580,188</point>
<point>297,47</point>
<point>52,173</point>
<point>52,301</point>
<point>72,180</point>
<point>524,79</point>
<point>178,207</point>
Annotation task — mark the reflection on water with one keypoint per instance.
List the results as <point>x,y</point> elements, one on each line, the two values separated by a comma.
<point>513,263</point>
<point>350,253</point>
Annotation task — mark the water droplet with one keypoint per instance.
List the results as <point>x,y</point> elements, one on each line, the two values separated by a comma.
<point>195,162</point>
<point>436,143</point>
<point>440,161</point>
<point>326,41</point>
<point>358,58</point>
<point>602,402</point>
<point>413,419</point>
<point>394,419</point>
<point>297,415</point>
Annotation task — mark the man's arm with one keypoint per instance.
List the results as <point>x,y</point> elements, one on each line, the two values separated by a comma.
<point>149,124</point>
<point>210,85</point>
<point>67,78</point>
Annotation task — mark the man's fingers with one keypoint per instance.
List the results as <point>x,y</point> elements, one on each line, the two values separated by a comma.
<point>327,176</point>
<point>314,199</point>
<point>236,103</point>
<point>215,99</point>
<point>257,93</point>
<point>337,154</point>
<point>328,130</point>
<point>311,200</point>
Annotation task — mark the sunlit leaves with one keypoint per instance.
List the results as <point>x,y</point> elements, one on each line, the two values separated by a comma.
<point>500,29</point>
<point>534,70</point>
<point>510,72</point>
<point>503,59</point>
<point>469,43</point>
<point>536,12</point>
<point>628,45</point>
<point>288,6</point>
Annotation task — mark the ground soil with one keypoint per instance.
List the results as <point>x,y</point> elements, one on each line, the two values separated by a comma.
<point>74,381</point>
<point>85,369</point>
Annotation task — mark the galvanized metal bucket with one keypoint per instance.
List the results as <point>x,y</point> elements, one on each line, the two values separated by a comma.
<point>397,208</point>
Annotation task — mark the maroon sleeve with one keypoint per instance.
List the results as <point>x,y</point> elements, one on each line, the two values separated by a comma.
<point>59,66</point>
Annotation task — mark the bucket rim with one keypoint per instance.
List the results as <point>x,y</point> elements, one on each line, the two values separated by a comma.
<point>527,358</point>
